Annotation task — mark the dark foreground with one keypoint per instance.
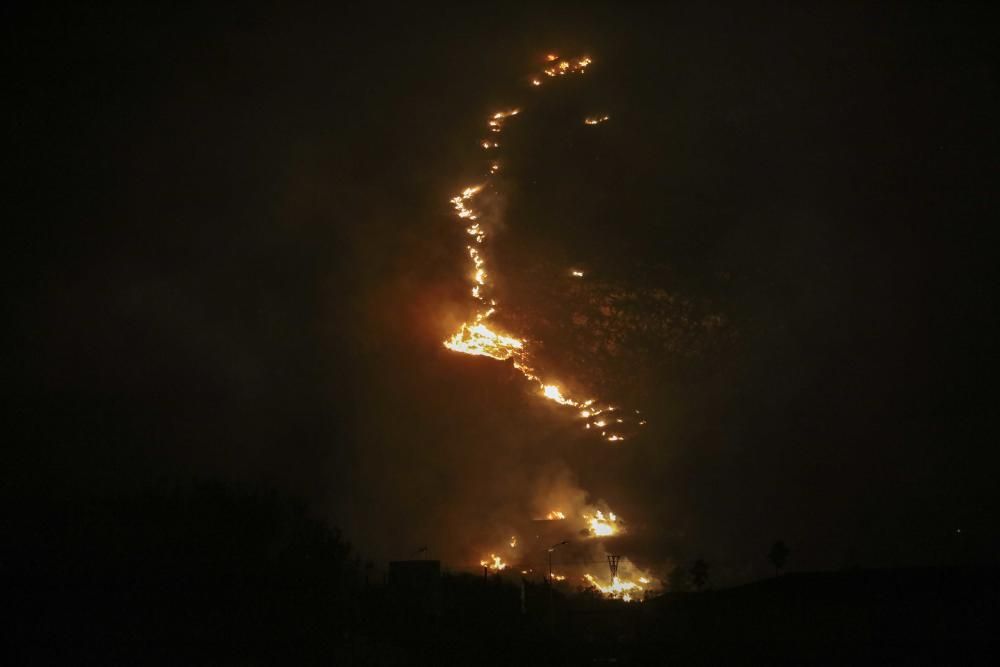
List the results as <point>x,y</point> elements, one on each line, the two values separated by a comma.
<point>209,576</point>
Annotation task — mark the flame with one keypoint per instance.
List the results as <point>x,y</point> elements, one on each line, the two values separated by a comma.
<point>494,563</point>
<point>480,340</point>
<point>618,588</point>
<point>578,66</point>
<point>552,393</point>
<point>601,525</point>
<point>480,337</point>
<point>476,337</point>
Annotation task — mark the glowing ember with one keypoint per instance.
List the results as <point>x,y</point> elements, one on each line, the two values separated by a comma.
<point>494,563</point>
<point>559,577</point>
<point>555,515</point>
<point>595,120</point>
<point>576,274</point>
<point>578,66</point>
<point>513,542</point>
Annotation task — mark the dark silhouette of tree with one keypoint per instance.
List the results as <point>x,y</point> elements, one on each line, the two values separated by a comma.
<point>679,580</point>
<point>699,574</point>
<point>778,556</point>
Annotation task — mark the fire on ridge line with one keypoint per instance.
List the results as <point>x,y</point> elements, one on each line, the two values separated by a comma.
<point>477,338</point>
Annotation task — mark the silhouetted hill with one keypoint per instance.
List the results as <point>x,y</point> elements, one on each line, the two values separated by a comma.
<point>212,574</point>
<point>937,614</point>
<point>203,574</point>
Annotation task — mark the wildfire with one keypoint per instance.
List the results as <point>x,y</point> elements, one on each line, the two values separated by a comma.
<point>494,563</point>
<point>479,340</point>
<point>601,525</point>
<point>495,123</point>
<point>479,336</point>
<point>577,66</point>
<point>552,393</point>
<point>618,588</point>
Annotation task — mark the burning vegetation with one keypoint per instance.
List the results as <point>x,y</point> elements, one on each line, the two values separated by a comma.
<point>481,335</point>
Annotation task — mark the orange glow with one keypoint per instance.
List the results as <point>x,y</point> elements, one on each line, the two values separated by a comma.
<point>494,563</point>
<point>478,336</point>
<point>618,589</point>
<point>601,525</point>
<point>482,335</point>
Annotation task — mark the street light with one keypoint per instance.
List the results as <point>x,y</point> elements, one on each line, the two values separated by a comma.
<point>551,549</point>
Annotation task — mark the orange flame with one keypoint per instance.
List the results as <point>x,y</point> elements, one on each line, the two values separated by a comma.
<point>601,525</point>
<point>494,563</point>
<point>476,337</point>
<point>618,588</point>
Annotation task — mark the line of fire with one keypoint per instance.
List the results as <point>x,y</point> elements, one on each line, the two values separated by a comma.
<point>480,336</point>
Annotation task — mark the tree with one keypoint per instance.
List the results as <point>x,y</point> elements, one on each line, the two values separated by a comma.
<point>699,573</point>
<point>778,556</point>
<point>678,581</point>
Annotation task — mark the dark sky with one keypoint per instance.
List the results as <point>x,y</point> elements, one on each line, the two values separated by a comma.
<point>230,254</point>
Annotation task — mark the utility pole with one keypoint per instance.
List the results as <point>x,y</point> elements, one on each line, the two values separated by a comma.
<point>551,549</point>
<point>613,566</point>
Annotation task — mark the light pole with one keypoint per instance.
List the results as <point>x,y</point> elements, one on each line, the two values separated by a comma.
<point>551,549</point>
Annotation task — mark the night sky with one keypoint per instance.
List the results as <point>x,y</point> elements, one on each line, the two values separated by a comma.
<point>231,256</point>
